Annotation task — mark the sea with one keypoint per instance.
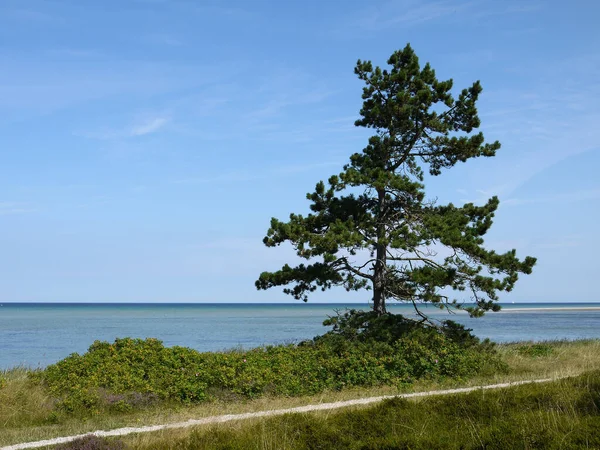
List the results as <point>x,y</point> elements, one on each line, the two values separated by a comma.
<point>35,335</point>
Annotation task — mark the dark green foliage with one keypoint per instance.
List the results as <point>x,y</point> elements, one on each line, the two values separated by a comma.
<point>559,415</point>
<point>133,373</point>
<point>450,346</point>
<point>371,227</point>
<point>365,326</point>
<point>140,369</point>
<point>368,326</point>
<point>92,442</point>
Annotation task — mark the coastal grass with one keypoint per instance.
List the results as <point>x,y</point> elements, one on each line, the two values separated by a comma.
<point>28,410</point>
<point>563,414</point>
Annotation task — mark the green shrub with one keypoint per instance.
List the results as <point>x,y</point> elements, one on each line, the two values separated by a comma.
<point>142,369</point>
<point>368,326</point>
<point>361,350</point>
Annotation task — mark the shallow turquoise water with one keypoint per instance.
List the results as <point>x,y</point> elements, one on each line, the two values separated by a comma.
<point>40,334</point>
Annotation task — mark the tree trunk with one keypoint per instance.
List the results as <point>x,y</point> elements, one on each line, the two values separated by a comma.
<point>378,297</point>
<point>381,262</point>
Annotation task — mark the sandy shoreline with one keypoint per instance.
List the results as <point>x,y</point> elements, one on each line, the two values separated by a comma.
<point>552,308</point>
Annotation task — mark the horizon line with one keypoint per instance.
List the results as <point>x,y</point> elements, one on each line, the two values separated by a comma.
<point>266,303</point>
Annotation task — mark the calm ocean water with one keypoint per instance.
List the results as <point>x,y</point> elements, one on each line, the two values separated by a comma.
<point>36,335</point>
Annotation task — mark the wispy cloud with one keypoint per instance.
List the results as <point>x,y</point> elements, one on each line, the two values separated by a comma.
<point>410,13</point>
<point>150,126</point>
<point>340,125</point>
<point>140,128</point>
<point>276,105</point>
<point>241,176</point>
<point>8,208</point>
<point>281,105</point>
<point>31,88</point>
<point>570,241</point>
<point>33,16</point>
<point>163,39</point>
<point>383,15</point>
<point>229,12</point>
<point>151,2</point>
<point>283,88</point>
<point>567,197</point>
<point>73,53</point>
<point>541,121</point>
<point>481,196</point>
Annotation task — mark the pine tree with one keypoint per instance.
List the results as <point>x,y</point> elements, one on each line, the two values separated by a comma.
<point>371,228</point>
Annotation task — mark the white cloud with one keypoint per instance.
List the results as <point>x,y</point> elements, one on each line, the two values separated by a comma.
<point>149,126</point>
<point>141,128</point>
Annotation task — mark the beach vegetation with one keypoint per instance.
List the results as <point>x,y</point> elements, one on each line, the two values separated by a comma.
<point>535,349</point>
<point>133,373</point>
<point>91,442</point>
<point>372,228</point>
<point>30,410</point>
<point>562,414</point>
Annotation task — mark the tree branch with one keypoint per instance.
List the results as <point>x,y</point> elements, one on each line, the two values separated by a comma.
<point>349,268</point>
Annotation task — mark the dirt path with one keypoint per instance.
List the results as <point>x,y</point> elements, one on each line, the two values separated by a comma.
<point>252,415</point>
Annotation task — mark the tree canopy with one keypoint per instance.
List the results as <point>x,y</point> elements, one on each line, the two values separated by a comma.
<point>371,227</point>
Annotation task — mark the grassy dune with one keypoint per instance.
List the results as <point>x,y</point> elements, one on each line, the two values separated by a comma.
<point>563,414</point>
<point>26,408</point>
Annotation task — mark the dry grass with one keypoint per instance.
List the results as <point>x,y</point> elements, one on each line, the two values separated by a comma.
<point>562,414</point>
<point>21,403</point>
<point>25,408</point>
<point>566,358</point>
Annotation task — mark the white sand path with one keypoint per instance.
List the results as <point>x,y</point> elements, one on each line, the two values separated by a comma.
<point>275,412</point>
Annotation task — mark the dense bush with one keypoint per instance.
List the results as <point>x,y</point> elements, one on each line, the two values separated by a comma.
<point>361,350</point>
<point>368,326</point>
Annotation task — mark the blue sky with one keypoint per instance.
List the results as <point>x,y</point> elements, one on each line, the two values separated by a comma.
<point>145,144</point>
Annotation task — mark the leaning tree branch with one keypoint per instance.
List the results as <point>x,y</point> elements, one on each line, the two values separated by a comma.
<point>347,266</point>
